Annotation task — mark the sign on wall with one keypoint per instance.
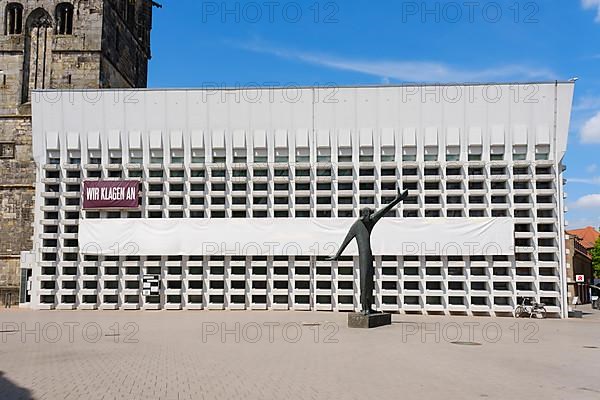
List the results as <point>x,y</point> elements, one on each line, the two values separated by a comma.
<point>110,194</point>
<point>579,278</point>
<point>151,285</point>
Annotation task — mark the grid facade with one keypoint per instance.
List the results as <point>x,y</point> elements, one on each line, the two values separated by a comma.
<point>467,172</point>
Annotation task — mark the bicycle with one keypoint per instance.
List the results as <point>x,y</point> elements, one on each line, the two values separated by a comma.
<point>530,307</point>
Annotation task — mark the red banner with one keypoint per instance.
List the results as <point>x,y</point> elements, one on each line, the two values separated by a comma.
<point>110,194</point>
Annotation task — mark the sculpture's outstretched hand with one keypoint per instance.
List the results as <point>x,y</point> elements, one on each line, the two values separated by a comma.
<point>402,195</point>
<point>399,198</point>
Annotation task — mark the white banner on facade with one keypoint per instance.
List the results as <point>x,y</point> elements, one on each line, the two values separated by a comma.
<point>283,236</point>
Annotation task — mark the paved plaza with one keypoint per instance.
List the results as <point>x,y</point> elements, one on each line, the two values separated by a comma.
<point>293,355</point>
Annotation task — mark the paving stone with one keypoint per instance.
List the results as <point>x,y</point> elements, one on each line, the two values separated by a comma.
<point>406,359</point>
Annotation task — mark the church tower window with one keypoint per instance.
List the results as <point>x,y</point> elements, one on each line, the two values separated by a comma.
<point>13,22</point>
<point>64,19</point>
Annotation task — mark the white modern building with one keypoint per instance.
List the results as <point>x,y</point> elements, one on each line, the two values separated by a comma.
<point>244,192</point>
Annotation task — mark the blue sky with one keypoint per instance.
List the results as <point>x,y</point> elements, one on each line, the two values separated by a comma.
<point>197,43</point>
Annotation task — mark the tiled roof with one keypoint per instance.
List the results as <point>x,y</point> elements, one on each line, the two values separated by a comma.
<point>587,236</point>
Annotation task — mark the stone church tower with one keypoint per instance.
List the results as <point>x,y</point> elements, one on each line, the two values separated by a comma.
<point>51,44</point>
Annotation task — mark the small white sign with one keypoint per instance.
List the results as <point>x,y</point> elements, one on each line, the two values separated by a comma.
<point>151,285</point>
<point>579,278</point>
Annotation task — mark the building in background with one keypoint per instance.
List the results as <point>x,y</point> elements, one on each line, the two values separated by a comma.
<point>243,194</point>
<point>580,272</point>
<point>45,44</point>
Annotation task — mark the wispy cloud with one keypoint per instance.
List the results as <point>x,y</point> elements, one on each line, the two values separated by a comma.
<point>403,70</point>
<point>583,221</point>
<point>591,4</point>
<point>590,131</point>
<point>588,201</point>
<point>587,103</point>
<point>595,180</point>
<point>585,211</point>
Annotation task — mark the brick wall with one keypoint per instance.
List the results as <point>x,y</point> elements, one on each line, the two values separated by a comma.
<point>16,198</point>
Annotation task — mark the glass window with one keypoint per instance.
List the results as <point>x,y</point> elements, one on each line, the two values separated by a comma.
<point>14,19</point>
<point>64,19</point>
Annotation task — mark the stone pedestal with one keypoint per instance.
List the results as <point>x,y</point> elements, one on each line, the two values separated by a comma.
<point>576,314</point>
<point>358,320</point>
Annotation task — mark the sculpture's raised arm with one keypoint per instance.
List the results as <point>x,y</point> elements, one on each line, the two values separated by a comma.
<point>379,214</point>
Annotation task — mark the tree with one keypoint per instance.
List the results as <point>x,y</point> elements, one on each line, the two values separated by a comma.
<point>596,258</point>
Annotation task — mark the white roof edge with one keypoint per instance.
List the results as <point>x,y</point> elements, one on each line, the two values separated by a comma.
<point>349,86</point>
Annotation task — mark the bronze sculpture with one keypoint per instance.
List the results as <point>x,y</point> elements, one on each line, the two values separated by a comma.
<point>361,230</point>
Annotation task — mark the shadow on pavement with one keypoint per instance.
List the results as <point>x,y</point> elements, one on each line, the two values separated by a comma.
<point>11,391</point>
